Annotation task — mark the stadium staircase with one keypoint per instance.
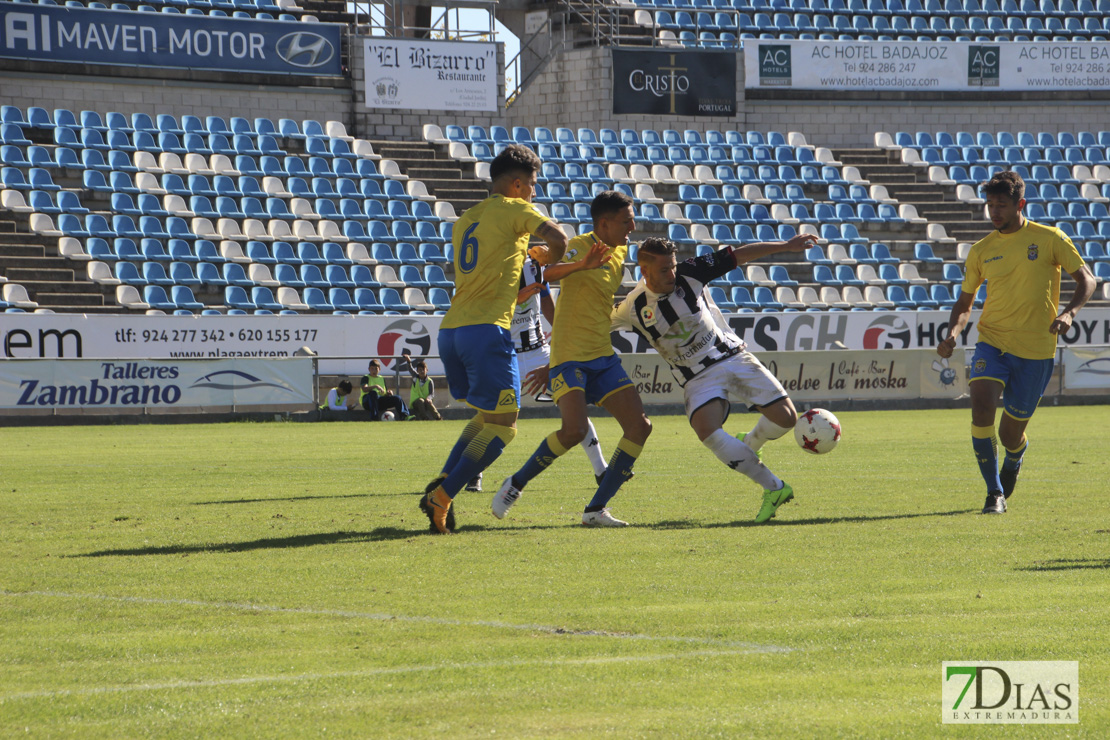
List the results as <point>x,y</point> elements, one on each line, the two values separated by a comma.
<point>908,184</point>
<point>447,179</point>
<point>50,279</point>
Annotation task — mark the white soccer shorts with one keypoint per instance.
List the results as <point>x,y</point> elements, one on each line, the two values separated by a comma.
<point>741,377</point>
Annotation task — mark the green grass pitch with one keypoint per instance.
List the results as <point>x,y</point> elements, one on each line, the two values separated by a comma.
<point>277,580</point>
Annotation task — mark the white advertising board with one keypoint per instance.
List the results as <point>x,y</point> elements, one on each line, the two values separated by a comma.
<point>413,74</point>
<point>968,66</point>
<point>333,338</point>
<point>79,385</point>
<point>827,376</point>
<point>1086,368</point>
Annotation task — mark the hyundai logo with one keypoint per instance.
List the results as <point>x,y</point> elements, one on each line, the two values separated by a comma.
<point>305,49</point>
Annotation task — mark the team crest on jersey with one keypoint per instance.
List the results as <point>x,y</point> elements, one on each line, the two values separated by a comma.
<point>570,255</point>
<point>980,365</point>
<point>647,316</point>
<point>1032,255</point>
<point>680,292</point>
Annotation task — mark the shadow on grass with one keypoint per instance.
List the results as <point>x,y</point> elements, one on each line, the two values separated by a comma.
<point>298,498</point>
<point>686,524</point>
<point>1087,564</point>
<point>268,543</point>
<point>381,534</point>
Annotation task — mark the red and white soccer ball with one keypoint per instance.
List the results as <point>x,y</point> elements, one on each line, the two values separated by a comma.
<point>817,431</point>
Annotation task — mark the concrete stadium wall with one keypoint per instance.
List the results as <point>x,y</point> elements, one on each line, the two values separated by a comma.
<point>576,89</point>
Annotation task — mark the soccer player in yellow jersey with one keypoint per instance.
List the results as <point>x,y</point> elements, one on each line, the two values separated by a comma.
<point>584,368</point>
<point>1021,263</point>
<point>474,341</point>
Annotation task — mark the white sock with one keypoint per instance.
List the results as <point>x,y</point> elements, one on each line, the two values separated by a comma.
<point>592,447</point>
<point>741,458</point>
<point>763,432</point>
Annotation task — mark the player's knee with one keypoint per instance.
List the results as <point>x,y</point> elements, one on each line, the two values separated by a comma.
<point>574,433</point>
<point>644,427</point>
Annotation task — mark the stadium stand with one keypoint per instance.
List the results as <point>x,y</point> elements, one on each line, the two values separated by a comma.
<point>262,215</point>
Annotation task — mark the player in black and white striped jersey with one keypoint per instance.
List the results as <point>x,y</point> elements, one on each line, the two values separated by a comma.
<point>671,308</point>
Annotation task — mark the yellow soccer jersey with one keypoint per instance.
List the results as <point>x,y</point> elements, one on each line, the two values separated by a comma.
<point>580,331</point>
<point>1022,271</point>
<point>490,242</point>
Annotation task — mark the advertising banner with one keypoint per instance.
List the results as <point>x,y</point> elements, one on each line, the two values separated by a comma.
<point>413,74</point>
<point>52,33</point>
<point>1086,368</point>
<point>81,385</point>
<point>683,83</point>
<point>29,335</point>
<point>827,376</point>
<point>1013,66</point>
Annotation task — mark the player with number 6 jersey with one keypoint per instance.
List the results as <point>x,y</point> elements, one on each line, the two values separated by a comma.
<point>475,342</point>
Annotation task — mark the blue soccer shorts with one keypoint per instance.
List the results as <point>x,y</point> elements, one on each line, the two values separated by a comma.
<point>481,369</point>
<point>598,379</point>
<point>1024,381</point>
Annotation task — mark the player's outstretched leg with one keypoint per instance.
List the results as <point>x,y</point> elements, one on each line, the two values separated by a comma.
<point>511,489</point>
<point>763,432</point>
<point>740,457</point>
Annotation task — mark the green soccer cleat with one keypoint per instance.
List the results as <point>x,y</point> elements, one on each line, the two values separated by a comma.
<point>758,453</point>
<point>772,500</point>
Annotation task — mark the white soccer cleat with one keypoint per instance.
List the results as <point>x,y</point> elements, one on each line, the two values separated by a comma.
<point>504,499</point>
<point>601,519</point>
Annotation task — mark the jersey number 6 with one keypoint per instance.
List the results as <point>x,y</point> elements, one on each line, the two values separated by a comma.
<point>468,253</point>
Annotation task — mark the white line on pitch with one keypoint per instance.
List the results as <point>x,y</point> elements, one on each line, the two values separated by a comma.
<point>367,673</point>
<point>750,647</point>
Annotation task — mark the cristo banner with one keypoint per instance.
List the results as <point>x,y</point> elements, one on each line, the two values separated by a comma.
<point>683,83</point>
<point>411,74</point>
<point>958,66</point>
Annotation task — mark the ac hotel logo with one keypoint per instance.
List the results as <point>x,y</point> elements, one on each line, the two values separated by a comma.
<point>775,68</point>
<point>662,81</point>
<point>1010,692</point>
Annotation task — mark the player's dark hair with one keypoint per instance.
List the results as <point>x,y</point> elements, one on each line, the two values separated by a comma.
<point>419,364</point>
<point>344,387</point>
<point>608,202</point>
<point>657,246</point>
<point>515,160</point>
<point>1007,183</point>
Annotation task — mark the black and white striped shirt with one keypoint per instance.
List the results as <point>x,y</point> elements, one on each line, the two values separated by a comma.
<point>684,326</point>
<point>527,321</point>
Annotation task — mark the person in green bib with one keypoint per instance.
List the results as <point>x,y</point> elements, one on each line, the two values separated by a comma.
<point>376,398</point>
<point>420,394</point>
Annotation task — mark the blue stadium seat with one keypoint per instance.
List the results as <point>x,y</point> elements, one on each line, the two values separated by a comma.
<point>156,296</point>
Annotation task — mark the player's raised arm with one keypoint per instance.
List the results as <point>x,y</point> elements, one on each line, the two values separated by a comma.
<point>749,252</point>
<point>555,240</point>
<point>1085,285</point>
<point>597,256</point>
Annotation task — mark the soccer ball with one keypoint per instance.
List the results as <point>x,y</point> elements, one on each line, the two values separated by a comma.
<point>387,416</point>
<point>817,431</point>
